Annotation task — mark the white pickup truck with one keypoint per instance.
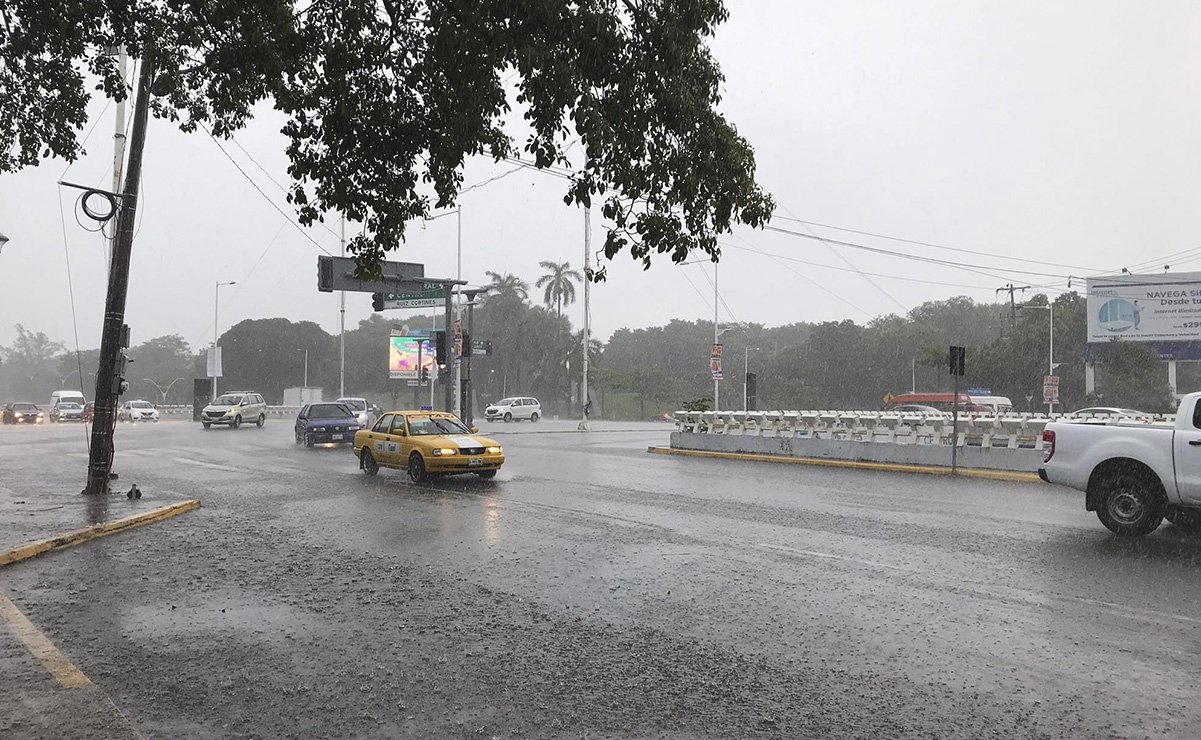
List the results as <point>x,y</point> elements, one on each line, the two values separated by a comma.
<point>1133,474</point>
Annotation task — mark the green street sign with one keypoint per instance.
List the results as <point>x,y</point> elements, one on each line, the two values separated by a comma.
<point>479,345</point>
<point>431,295</point>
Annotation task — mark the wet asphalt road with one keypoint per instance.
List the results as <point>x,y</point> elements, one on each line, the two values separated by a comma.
<point>594,590</point>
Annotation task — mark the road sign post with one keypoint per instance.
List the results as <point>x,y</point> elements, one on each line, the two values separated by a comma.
<point>1050,391</point>
<point>957,362</point>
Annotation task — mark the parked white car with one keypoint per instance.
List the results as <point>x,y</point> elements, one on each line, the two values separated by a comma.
<point>1134,474</point>
<point>233,408</point>
<point>137,411</point>
<point>514,409</point>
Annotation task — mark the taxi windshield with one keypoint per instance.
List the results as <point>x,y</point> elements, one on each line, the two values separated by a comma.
<point>227,401</point>
<point>433,425</point>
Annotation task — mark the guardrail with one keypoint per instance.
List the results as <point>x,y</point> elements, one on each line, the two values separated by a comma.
<point>1013,431</point>
<point>272,411</point>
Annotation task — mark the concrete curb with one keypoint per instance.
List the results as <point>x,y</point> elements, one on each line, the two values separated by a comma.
<point>32,549</point>
<point>1006,475</point>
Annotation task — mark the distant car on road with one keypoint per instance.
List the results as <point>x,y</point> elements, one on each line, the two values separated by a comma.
<point>514,409</point>
<point>1113,413</point>
<point>326,423</point>
<point>66,411</point>
<point>137,411</point>
<point>232,408</point>
<point>426,443</point>
<point>364,410</point>
<point>20,412</point>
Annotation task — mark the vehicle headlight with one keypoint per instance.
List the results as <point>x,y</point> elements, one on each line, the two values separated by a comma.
<point>445,451</point>
<point>317,429</point>
<point>494,450</point>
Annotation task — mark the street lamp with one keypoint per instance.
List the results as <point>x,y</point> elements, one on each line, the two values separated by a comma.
<point>216,297</point>
<point>1050,309</point>
<point>3,241</point>
<point>458,370</point>
<point>62,379</point>
<point>746,372</point>
<point>162,390</point>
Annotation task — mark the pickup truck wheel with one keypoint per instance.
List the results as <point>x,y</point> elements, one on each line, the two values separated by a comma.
<point>1130,504</point>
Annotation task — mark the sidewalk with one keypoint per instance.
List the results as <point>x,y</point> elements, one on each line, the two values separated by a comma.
<point>44,693</point>
<point>37,502</point>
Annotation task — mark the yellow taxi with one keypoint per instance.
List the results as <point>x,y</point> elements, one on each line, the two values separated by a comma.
<point>426,443</point>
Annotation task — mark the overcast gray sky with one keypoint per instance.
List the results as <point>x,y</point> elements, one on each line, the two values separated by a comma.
<point>1066,132</point>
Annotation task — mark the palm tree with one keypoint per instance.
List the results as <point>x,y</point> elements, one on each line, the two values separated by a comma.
<point>508,284</point>
<point>558,283</point>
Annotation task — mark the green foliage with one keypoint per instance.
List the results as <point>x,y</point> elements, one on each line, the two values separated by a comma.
<point>386,100</point>
<point>28,366</point>
<point>1131,375</point>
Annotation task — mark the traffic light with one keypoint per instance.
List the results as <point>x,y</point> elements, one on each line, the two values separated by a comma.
<point>377,301</point>
<point>440,347</point>
<point>467,345</point>
<point>425,374</point>
<point>488,347</point>
<point>120,385</point>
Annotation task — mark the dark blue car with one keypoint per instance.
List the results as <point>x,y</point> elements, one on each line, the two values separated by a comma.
<point>326,423</point>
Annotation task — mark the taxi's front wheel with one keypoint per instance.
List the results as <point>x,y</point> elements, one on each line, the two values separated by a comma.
<point>368,464</point>
<point>416,467</point>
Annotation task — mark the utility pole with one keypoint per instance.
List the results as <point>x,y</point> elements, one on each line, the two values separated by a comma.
<point>587,322</point>
<point>716,339</point>
<point>100,453</point>
<point>1013,310</point>
<point>118,147</point>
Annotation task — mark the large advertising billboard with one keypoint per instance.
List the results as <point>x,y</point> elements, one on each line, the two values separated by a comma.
<point>403,353</point>
<point>1164,310</point>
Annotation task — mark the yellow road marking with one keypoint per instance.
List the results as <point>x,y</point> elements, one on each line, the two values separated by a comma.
<point>1009,475</point>
<point>63,670</point>
<point>24,552</point>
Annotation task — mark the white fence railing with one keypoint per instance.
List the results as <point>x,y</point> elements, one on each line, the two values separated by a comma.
<point>1009,430</point>
<point>186,411</point>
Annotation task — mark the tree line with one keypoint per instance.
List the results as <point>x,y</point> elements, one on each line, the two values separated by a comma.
<point>643,373</point>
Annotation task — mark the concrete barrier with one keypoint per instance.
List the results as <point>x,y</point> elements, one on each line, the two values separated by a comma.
<point>990,458</point>
<point>1011,442</point>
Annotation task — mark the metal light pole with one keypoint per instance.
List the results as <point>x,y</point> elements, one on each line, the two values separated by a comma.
<point>163,391</point>
<point>306,371</point>
<point>457,374</point>
<point>342,326</point>
<point>587,323</point>
<point>1050,309</point>
<point>216,299</point>
<point>118,146</point>
<point>746,370</point>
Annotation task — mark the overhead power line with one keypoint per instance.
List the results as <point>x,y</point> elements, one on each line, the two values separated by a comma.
<point>266,197</point>
<point>979,269</point>
<point>939,246</point>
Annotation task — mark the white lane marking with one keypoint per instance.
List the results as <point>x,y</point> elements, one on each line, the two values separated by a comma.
<point>202,464</point>
<point>828,556</point>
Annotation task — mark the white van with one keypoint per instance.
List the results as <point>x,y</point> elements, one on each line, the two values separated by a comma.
<point>58,397</point>
<point>995,405</point>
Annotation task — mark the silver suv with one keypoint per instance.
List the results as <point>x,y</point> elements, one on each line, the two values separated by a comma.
<point>514,409</point>
<point>233,408</point>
